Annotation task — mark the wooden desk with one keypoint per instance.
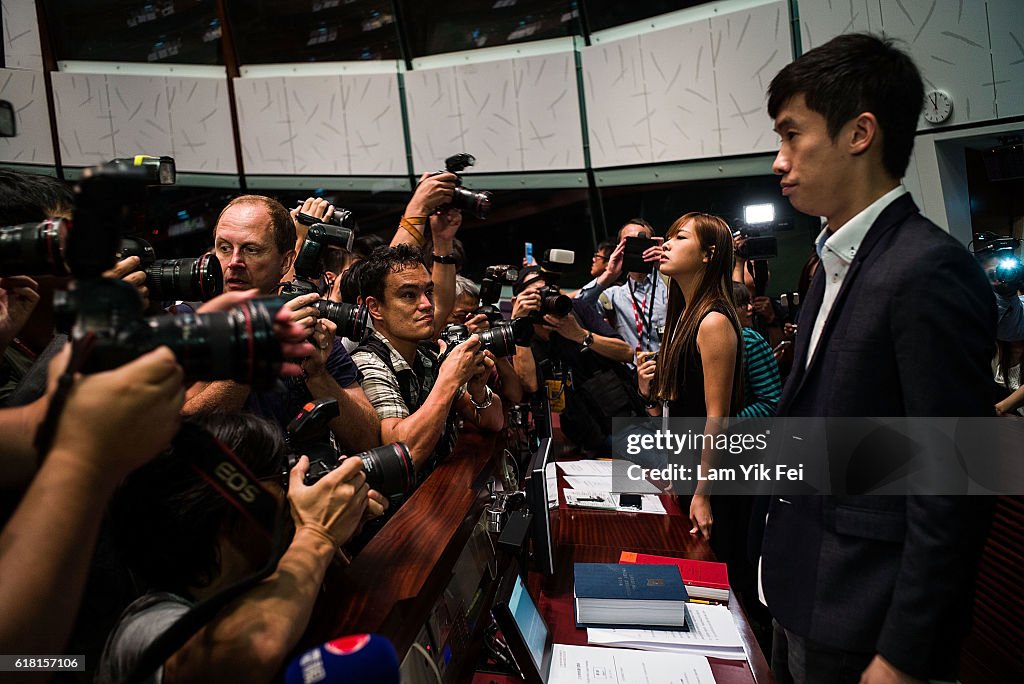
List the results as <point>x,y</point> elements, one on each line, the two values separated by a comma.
<point>590,536</point>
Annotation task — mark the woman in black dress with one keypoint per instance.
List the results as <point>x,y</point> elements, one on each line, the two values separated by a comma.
<point>697,372</point>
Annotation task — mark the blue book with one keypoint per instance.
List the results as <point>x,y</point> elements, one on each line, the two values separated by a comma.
<point>630,596</point>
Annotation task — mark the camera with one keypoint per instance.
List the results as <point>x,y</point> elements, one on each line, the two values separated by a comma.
<point>341,218</point>
<point>500,340</point>
<point>104,317</point>
<point>351,320</point>
<point>389,468</point>
<point>34,248</point>
<point>552,301</point>
<point>187,280</point>
<point>493,313</point>
<point>757,246</point>
<point>496,277</point>
<point>998,254</point>
<point>476,203</point>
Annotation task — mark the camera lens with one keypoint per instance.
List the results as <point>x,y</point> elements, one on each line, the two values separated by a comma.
<point>499,340</point>
<point>188,280</point>
<point>476,203</point>
<point>351,320</point>
<point>33,248</point>
<point>558,305</point>
<point>389,469</point>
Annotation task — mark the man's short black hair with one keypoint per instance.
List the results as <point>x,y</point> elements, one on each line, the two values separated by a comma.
<point>285,236</point>
<point>383,260</point>
<point>27,197</point>
<point>855,73</point>
<point>636,222</point>
<point>166,518</point>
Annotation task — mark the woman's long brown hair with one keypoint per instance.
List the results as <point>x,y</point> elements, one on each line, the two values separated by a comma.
<point>713,291</point>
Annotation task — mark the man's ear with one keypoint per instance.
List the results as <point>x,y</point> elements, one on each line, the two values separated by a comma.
<point>863,132</point>
<point>289,259</point>
<point>373,307</point>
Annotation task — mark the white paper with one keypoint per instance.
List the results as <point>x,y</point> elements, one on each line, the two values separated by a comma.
<point>552,486</point>
<point>604,484</point>
<point>649,503</point>
<point>587,665</point>
<point>588,467</point>
<point>712,632</point>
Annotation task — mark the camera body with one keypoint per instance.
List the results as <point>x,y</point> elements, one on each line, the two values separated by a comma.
<point>495,278</point>
<point>351,320</point>
<point>475,203</point>
<point>758,246</point>
<point>501,340</point>
<point>389,468</point>
<point>341,218</point>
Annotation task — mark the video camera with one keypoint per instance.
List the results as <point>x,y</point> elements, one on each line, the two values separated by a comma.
<point>1005,270</point>
<point>757,246</point>
<point>389,468</point>
<point>351,320</point>
<point>103,316</point>
<point>476,203</point>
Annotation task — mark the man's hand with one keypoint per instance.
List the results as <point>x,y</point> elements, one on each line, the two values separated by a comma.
<point>376,504</point>
<point>477,324</point>
<point>430,193</point>
<point>18,298</point>
<point>764,309</point>
<point>128,271</point>
<point>525,303</point>
<point>117,420</point>
<point>323,343</point>
<point>881,671</point>
<point>700,515</point>
<point>567,326</point>
<point>445,225</point>
<point>613,269</point>
<point>463,361</point>
<point>302,310</point>
<point>335,504</point>
<point>314,206</point>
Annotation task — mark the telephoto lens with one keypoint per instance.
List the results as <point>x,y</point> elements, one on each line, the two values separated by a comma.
<point>34,248</point>
<point>389,468</point>
<point>187,280</point>
<point>238,345</point>
<point>476,203</point>
<point>499,341</point>
<point>553,302</point>
<point>352,320</point>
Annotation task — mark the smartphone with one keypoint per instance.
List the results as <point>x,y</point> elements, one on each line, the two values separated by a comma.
<point>630,501</point>
<point>528,254</point>
<point>633,255</point>
<point>642,356</point>
<point>784,344</point>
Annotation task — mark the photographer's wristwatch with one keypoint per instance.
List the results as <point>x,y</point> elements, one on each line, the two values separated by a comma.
<point>588,340</point>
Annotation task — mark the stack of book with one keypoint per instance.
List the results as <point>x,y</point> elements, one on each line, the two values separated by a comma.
<point>704,580</point>
<point>621,595</point>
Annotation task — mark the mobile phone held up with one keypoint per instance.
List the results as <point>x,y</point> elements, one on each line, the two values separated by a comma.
<point>633,255</point>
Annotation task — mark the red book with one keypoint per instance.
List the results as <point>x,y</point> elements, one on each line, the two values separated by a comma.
<point>703,579</point>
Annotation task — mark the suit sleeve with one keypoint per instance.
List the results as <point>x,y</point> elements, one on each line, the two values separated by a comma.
<point>943,323</point>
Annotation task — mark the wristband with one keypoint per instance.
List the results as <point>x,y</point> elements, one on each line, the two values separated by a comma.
<point>486,403</point>
<point>448,259</point>
<point>410,226</point>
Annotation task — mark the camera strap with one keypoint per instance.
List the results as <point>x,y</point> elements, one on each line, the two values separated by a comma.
<point>47,430</point>
<point>232,479</point>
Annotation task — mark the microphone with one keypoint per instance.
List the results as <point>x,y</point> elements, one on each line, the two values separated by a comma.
<point>357,658</point>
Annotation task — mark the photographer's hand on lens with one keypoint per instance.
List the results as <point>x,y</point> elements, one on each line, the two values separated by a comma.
<point>334,505</point>
<point>477,323</point>
<point>18,298</point>
<point>525,303</point>
<point>128,270</point>
<point>567,326</point>
<point>322,341</point>
<point>376,504</point>
<point>303,311</point>
<point>117,420</point>
<point>431,192</point>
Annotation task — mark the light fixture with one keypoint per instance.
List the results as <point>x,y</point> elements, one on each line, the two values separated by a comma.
<point>757,214</point>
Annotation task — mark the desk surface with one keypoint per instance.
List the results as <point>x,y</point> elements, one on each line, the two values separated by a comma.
<point>591,536</point>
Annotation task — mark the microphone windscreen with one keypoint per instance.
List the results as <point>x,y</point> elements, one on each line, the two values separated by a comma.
<point>353,659</point>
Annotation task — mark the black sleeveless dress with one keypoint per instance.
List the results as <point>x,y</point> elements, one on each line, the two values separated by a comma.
<point>689,401</point>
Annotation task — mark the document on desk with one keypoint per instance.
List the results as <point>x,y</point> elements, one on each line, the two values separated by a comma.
<point>712,632</point>
<point>603,483</point>
<point>587,467</point>
<point>587,665</point>
<point>582,498</point>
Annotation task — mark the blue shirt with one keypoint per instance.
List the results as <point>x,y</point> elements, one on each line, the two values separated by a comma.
<point>630,302</point>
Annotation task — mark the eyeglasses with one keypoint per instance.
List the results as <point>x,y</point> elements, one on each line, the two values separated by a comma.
<point>600,256</point>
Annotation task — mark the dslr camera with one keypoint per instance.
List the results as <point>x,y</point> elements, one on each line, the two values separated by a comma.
<point>998,254</point>
<point>351,320</point>
<point>495,277</point>
<point>189,280</point>
<point>554,263</point>
<point>501,340</point>
<point>104,317</point>
<point>475,203</point>
<point>389,468</point>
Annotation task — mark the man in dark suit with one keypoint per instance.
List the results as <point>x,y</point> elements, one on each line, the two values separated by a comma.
<point>899,321</point>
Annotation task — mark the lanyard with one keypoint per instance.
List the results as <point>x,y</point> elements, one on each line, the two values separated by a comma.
<point>638,313</point>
